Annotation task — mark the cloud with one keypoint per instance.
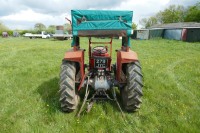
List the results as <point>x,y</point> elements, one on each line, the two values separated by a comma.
<point>142,8</point>
<point>27,19</point>
<point>9,6</point>
<point>14,13</point>
<point>183,2</point>
<point>54,6</point>
<point>25,13</point>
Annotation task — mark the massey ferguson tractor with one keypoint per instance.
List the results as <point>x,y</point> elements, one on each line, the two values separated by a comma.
<point>100,76</point>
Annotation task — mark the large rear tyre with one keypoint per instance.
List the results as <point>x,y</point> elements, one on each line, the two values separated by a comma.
<point>131,94</point>
<point>68,96</point>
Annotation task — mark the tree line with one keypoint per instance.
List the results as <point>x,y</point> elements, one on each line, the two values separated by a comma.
<point>173,14</point>
<point>37,29</point>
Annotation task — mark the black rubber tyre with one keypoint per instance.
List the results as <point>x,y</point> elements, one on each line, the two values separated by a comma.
<point>68,95</point>
<point>131,94</point>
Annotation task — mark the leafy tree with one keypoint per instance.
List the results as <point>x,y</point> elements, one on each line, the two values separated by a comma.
<point>39,27</point>
<point>159,17</point>
<point>3,27</point>
<point>51,29</point>
<point>172,14</point>
<point>27,31</point>
<point>193,13</point>
<point>10,32</point>
<point>152,21</point>
<point>134,26</point>
<point>68,28</point>
<point>143,22</point>
<point>146,23</point>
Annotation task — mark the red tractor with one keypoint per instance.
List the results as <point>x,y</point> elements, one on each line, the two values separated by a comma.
<point>101,76</point>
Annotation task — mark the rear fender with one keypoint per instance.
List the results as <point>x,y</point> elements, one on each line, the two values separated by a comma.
<point>78,57</point>
<point>124,57</point>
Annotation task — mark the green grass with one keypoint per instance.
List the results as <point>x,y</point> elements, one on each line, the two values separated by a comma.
<point>29,75</point>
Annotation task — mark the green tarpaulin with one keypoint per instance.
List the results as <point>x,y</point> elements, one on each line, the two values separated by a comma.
<point>101,23</point>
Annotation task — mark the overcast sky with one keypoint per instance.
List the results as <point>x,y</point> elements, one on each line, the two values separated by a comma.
<point>23,14</point>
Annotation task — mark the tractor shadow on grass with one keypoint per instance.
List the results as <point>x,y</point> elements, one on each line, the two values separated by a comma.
<point>48,91</point>
<point>107,105</point>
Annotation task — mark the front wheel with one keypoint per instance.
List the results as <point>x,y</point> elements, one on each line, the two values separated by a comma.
<point>131,94</point>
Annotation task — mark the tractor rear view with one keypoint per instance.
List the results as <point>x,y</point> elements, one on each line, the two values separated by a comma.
<point>101,76</point>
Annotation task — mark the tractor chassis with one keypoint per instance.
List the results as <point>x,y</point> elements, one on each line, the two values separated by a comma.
<point>125,74</point>
<point>99,95</point>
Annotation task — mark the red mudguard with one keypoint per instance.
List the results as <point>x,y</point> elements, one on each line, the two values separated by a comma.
<point>76,56</point>
<point>124,57</point>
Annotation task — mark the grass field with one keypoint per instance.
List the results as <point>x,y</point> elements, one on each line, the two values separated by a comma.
<point>29,75</point>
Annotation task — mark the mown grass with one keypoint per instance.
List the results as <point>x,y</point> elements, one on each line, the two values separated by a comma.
<point>29,75</point>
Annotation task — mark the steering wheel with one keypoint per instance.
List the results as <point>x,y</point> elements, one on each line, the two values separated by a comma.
<point>100,49</point>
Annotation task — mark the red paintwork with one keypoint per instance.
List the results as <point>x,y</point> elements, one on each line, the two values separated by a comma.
<point>96,54</point>
<point>184,34</point>
<point>82,80</point>
<point>105,54</point>
<point>93,54</point>
<point>76,55</point>
<point>108,66</point>
<point>124,56</point>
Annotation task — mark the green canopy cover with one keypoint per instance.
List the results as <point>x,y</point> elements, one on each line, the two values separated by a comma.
<point>101,23</point>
